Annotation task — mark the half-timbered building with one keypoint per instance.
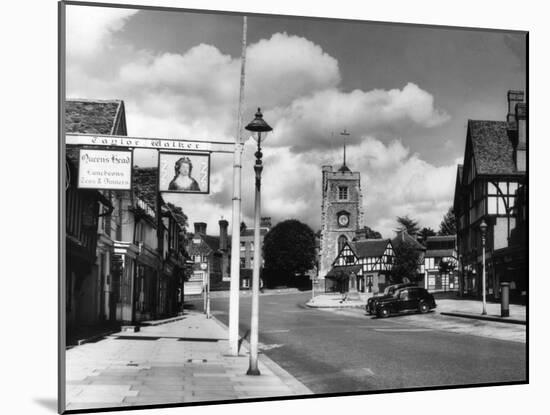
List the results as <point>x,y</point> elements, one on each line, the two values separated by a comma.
<point>441,264</point>
<point>90,227</point>
<point>368,261</point>
<point>487,189</point>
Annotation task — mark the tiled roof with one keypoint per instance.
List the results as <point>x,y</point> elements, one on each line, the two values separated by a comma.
<point>440,238</point>
<point>213,242</point>
<point>402,237</point>
<point>91,117</point>
<point>370,247</point>
<point>440,253</point>
<point>491,147</point>
<point>144,183</point>
<point>344,268</point>
<point>200,248</point>
<point>209,243</point>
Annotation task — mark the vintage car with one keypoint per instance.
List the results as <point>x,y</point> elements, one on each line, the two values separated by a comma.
<point>405,299</point>
<point>389,292</point>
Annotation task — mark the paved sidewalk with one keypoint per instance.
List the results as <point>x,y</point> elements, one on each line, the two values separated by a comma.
<point>180,361</point>
<point>453,307</point>
<point>473,309</point>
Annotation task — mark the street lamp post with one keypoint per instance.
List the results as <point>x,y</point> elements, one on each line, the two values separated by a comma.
<point>259,126</point>
<point>483,228</point>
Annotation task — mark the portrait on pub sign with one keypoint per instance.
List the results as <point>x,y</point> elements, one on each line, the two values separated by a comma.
<point>184,172</point>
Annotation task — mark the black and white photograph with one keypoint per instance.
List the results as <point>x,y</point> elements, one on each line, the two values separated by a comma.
<point>269,207</point>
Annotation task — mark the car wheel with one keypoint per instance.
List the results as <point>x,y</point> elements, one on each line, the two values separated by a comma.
<point>383,313</point>
<point>423,308</point>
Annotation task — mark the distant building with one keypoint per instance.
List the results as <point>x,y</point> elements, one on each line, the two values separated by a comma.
<point>491,185</point>
<point>246,251</point>
<point>366,263</point>
<point>441,264</point>
<point>211,259</point>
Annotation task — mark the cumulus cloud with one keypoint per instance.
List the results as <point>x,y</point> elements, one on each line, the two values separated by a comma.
<point>89,30</point>
<point>194,95</point>
<point>307,121</point>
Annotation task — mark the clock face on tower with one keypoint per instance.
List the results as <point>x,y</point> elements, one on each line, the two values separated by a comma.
<point>343,220</point>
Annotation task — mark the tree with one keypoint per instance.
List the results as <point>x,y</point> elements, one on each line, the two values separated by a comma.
<point>425,232</point>
<point>404,223</point>
<point>448,224</point>
<point>243,227</point>
<point>289,250</point>
<point>180,217</point>
<point>405,265</point>
<point>370,233</point>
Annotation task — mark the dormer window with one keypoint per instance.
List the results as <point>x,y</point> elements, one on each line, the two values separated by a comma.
<point>342,193</point>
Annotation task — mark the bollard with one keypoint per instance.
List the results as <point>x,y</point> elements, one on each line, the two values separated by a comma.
<point>504,296</point>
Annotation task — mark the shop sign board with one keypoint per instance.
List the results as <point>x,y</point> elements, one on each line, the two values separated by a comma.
<point>104,169</point>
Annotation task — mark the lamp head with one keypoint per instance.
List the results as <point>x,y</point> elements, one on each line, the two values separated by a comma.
<point>258,125</point>
<point>483,227</point>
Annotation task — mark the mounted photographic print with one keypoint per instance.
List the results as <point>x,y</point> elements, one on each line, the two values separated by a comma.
<point>317,207</point>
<point>184,172</point>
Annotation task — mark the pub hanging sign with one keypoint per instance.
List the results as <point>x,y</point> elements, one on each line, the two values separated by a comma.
<point>104,169</point>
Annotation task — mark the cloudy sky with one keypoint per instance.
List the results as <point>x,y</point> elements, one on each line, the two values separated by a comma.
<point>404,93</point>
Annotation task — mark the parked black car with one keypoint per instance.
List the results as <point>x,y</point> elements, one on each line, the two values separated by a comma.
<point>405,299</point>
<point>389,292</point>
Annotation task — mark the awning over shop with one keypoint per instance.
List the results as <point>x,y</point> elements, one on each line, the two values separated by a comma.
<point>346,269</point>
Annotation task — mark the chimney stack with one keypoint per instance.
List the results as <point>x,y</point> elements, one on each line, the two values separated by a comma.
<point>200,228</point>
<point>514,98</point>
<point>520,151</point>
<point>265,222</point>
<point>223,234</point>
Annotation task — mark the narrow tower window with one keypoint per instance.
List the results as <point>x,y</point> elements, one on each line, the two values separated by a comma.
<point>342,193</point>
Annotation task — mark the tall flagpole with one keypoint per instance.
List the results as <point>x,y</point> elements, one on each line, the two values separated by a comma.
<point>236,225</point>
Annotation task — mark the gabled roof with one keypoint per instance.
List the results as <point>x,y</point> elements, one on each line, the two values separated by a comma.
<point>402,237</point>
<point>93,116</point>
<point>369,248</point>
<point>200,248</point>
<point>491,147</point>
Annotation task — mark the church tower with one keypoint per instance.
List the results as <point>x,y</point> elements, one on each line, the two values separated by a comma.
<point>341,212</point>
